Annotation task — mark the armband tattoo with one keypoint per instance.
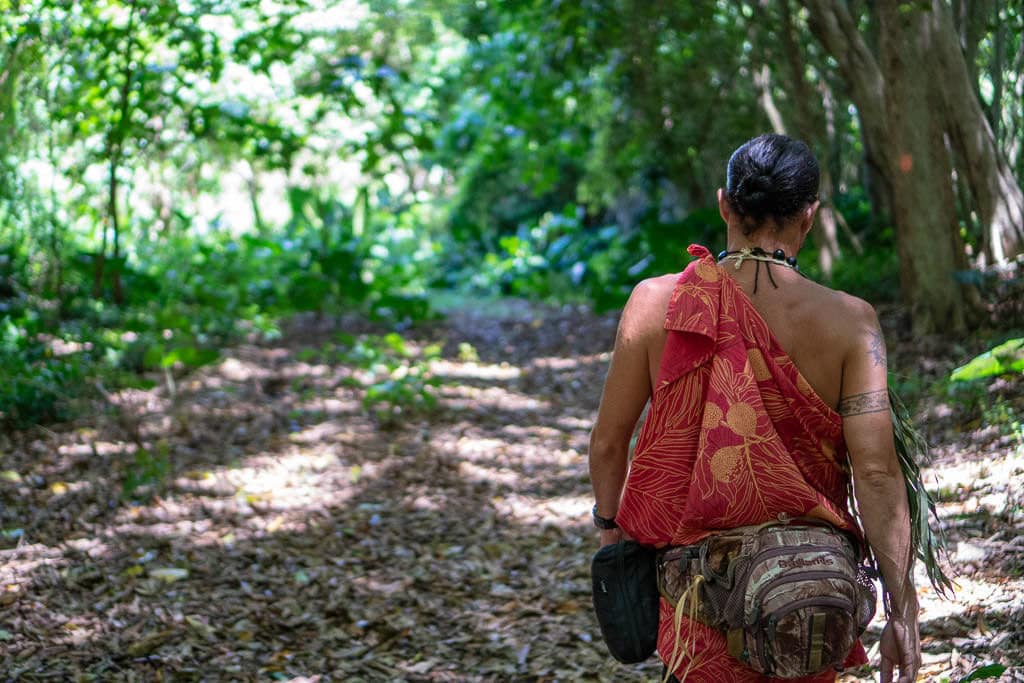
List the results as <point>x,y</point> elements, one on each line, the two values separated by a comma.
<point>860,404</point>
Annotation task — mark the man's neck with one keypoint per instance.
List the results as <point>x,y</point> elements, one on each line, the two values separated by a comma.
<point>767,238</point>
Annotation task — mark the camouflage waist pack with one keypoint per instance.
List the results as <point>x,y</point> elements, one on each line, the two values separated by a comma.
<point>790,597</point>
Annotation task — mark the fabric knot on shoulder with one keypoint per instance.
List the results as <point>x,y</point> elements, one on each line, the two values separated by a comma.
<point>694,311</point>
<point>698,250</point>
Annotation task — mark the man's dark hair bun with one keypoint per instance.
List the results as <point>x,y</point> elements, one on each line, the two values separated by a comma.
<point>771,177</point>
<point>755,194</point>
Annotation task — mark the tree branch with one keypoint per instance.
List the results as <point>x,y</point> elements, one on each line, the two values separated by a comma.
<point>832,24</point>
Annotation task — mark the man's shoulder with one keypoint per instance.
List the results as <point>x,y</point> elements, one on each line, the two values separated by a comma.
<point>645,311</point>
<point>657,286</point>
<point>842,318</point>
<point>845,306</point>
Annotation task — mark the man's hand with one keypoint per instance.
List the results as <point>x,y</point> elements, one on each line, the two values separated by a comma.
<point>900,647</point>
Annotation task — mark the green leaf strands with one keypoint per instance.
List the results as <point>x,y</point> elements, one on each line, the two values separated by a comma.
<point>928,543</point>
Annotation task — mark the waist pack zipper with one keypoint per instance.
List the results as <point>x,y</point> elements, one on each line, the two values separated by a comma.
<point>763,591</point>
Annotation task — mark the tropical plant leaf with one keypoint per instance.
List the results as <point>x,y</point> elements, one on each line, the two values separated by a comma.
<point>1004,359</point>
<point>927,541</point>
<point>983,672</point>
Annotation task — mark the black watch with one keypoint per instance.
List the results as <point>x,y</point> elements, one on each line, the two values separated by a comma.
<point>603,522</point>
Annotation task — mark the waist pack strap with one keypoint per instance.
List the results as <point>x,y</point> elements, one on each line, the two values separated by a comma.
<point>817,640</point>
<point>677,568</point>
<point>736,642</point>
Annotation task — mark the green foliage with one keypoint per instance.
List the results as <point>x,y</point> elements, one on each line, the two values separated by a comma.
<point>396,377</point>
<point>984,672</point>
<point>147,473</point>
<point>468,353</point>
<point>1006,358</point>
<point>873,276</point>
<point>40,391</point>
<point>186,298</point>
<point>211,168</point>
<point>926,540</point>
<point>561,259</point>
<point>37,386</point>
<point>545,260</point>
<point>1006,416</point>
<point>980,403</point>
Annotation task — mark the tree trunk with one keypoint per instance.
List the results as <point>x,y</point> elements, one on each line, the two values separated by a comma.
<point>115,151</point>
<point>996,192</point>
<point>995,112</point>
<point>808,127</point>
<point>896,98</point>
<point>923,203</point>
<point>837,30</point>
<point>252,184</point>
<point>812,130</point>
<point>98,262</point>
<point>55,273</point>
<point>763,82</point>
<point>875,177</point>
<point>1013,136</point>
<point>115,228</point>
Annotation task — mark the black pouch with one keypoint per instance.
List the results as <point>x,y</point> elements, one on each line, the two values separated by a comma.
<point>626,598</point>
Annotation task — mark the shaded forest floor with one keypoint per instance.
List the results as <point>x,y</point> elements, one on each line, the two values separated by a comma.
<point>295,539</point>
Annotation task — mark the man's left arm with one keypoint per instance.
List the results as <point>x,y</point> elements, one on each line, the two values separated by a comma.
<point>626,390</point>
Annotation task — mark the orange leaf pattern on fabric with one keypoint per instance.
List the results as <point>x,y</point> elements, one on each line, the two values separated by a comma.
<point>712,416</point>
<point>735,436</point>
<point>758,365</point>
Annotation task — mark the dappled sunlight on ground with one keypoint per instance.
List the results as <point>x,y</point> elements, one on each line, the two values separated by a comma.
<point>474,370</point>
<point>492,398</point>
<point>291,535</point>
<point>562,511</point>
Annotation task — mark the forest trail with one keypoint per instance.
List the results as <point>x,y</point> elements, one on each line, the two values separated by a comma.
<point>296,540</point>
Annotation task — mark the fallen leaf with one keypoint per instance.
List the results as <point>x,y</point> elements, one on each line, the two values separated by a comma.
<point>10,594</point>
<point>169,574</point>
<point>422,667</point>
<point>148,643</point>
<point>200,627</point>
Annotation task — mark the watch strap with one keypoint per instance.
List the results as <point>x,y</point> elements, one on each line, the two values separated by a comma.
<point>603,522</point>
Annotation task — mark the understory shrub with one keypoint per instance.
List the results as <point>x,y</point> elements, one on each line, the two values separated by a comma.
<point>395,376</point>
<point>562,258</point>
<point>184,297</point>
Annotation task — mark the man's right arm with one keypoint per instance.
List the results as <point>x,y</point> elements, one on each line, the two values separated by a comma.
<point>879,487</point>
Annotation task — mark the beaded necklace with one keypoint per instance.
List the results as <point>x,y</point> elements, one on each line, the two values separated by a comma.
<point>759,255</point>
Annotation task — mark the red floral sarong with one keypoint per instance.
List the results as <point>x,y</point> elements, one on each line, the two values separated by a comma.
<point>735,436</point>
